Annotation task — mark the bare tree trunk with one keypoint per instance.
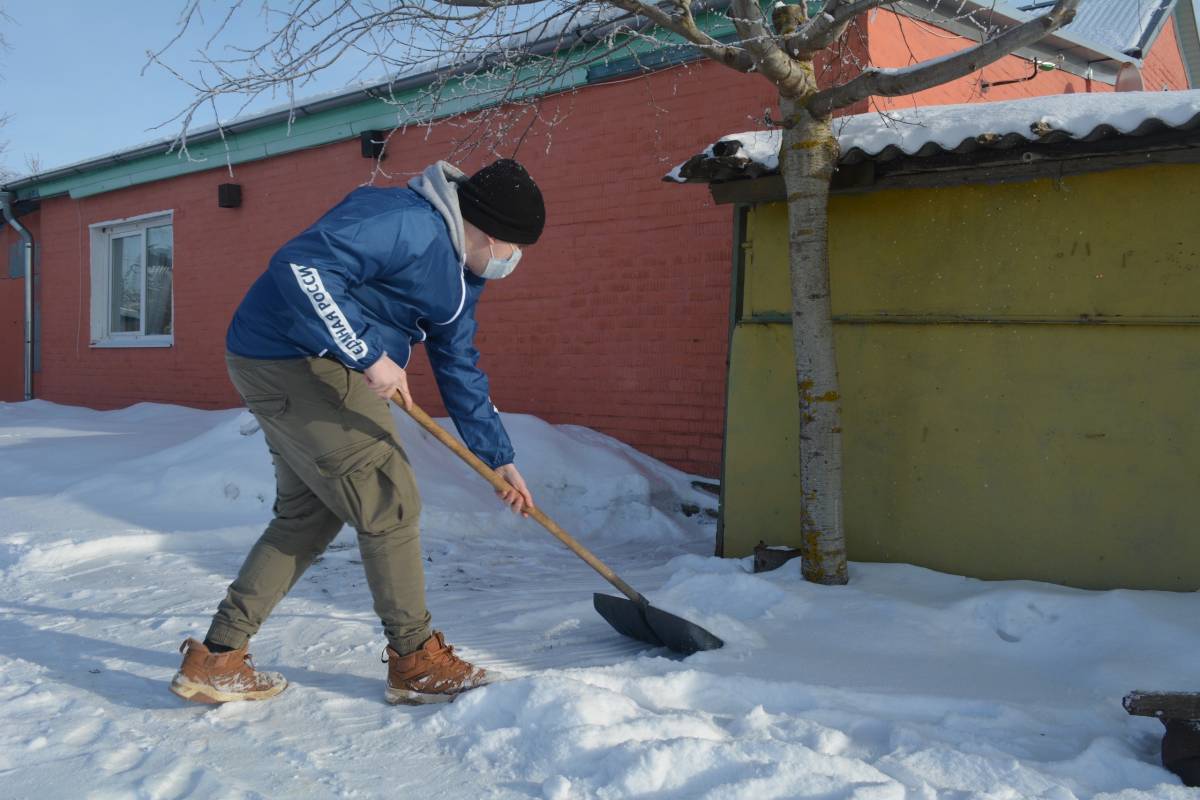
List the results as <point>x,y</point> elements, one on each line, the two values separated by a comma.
<point>808,158</point>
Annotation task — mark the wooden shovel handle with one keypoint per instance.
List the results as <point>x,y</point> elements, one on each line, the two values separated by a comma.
<point>501,485</point>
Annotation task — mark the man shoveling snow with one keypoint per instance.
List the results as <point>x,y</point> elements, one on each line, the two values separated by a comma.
<point>384,269</point>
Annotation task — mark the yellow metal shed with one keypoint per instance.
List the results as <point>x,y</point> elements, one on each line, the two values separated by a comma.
<point>1018,340</point>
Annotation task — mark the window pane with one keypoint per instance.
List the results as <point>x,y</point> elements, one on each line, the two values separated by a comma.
<point>126,297</point>
<point>158,280</point>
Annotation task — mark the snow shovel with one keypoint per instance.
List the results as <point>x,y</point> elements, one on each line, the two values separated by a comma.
<point>634,617</point>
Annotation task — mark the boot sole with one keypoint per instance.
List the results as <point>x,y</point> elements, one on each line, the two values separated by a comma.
<point>200,693</point>
<point>405,697</point>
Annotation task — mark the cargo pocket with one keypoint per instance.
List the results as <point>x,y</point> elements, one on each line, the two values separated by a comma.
<point>266,405</point>
<point>374,482</point>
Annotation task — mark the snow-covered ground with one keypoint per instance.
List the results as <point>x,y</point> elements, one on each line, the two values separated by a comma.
<point>120,530</point>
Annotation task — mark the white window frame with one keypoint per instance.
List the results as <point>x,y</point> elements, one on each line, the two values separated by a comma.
<point>101,235</point>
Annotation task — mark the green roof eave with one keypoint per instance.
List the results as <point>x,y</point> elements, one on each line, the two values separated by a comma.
<point>253,144</point>
<point>235,149</point>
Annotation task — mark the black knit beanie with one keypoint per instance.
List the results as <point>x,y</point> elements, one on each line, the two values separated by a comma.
<point>503,202</point>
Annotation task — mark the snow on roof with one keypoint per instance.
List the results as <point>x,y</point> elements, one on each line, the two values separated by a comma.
<point>932,129</point>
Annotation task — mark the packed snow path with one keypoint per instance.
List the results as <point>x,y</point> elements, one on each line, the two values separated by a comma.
<point>120,531</point>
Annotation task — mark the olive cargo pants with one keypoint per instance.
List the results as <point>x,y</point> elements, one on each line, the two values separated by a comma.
<point>337,460</point>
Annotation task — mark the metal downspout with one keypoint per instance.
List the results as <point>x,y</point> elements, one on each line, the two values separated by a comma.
<point>1188,33</point>
<point>6,199</point>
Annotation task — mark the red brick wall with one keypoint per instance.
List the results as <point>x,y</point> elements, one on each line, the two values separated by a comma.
<point>617,319</point>
<point>217,253</point>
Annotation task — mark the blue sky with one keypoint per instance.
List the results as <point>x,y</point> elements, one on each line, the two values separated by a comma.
<point>70,80</point>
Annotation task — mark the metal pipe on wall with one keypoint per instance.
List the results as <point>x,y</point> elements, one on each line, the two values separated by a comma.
<point>6,200</point>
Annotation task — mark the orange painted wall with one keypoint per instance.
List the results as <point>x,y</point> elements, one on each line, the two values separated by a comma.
<point>897,41</point>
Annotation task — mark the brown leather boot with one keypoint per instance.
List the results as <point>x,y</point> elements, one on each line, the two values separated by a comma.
<point>431,674</point>
<point>207,677</point>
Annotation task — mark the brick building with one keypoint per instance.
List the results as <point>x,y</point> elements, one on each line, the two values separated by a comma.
<point>617,319</point>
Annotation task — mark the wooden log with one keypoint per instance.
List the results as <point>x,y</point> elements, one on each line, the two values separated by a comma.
<point>1163,705</point>
<point>1181,750</point>
<point>769,558</point>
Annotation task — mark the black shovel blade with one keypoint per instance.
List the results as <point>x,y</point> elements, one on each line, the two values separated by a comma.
<point>654,626</point>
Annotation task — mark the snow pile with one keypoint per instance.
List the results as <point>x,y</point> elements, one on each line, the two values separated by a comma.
<point>752,147</point>
<point>910,130</point>
<point>120,530</point>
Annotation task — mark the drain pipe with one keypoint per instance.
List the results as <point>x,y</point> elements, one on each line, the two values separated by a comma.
<point>6,200</point>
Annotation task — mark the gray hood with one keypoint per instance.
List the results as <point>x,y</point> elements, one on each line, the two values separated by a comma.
<point>437,185</point>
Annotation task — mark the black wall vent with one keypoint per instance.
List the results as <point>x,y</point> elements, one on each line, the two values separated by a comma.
<point>229,195</point>
<point>372,144</point>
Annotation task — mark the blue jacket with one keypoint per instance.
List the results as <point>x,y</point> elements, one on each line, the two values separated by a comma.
<point>377,274</point>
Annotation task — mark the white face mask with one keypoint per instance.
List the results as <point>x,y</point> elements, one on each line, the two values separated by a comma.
<point>500,268</point>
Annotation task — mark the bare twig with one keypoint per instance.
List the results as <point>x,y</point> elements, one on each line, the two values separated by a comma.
<point>890,83</point>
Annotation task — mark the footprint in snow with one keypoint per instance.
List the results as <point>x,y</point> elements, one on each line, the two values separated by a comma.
<point>120,759</point>
<point>180,781</point>
<point>85,733</point>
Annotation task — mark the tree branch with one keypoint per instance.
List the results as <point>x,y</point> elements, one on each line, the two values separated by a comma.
<point>489,3</point>
<point>684,24</point>
<point>777,66</point>
<point>893,82</point>
<point>827,27</point>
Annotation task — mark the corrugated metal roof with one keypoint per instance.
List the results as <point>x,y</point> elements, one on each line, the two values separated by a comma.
<point>934,130</point>
<point>1103,35</point>
<point>1123,26</point>
<point>1126,26</point>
